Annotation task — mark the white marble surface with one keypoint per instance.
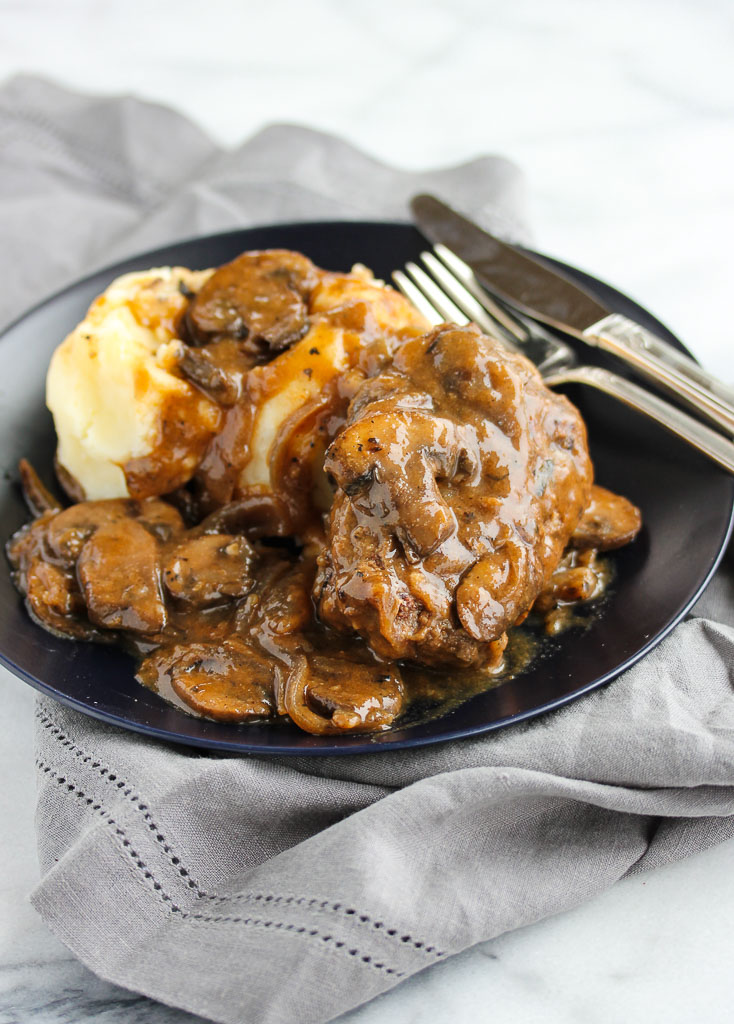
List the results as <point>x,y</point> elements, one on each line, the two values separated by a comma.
<point>622,115</point>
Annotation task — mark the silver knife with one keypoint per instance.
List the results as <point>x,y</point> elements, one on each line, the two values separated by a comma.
<point>551,297</point>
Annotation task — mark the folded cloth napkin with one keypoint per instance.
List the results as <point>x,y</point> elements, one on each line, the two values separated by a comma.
<point>271,890</point>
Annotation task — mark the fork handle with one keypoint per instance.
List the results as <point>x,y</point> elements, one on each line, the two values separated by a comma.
<point>649,356</point>
<point>638,337</point>
<point>718,448</point>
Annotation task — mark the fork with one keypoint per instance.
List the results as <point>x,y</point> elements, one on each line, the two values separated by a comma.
<point>447,290</point>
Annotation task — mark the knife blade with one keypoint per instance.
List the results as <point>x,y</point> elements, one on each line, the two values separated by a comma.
<point>549,296</point>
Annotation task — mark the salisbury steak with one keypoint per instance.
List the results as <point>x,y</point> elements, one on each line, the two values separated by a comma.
<point>460,479</point>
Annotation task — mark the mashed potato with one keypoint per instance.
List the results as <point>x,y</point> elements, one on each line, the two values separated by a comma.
<point>119,407</point>
<point>138,412</point>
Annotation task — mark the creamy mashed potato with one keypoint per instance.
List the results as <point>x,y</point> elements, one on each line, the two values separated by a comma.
<point>118,404</point>
<point>134,418</point>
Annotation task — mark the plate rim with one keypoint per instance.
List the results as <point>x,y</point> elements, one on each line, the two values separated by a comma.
<point>348,745</point>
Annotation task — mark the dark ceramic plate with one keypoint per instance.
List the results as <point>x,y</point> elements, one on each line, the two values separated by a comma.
<point>686,503</point>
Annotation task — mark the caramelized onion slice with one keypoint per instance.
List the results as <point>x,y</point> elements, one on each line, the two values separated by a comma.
<point>37,496</point>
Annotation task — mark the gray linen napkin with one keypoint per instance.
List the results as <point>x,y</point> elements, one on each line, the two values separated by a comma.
<point>290,890</point>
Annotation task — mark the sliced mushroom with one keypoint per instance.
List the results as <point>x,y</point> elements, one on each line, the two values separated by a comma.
<point>227,681</point>
<point>327,695</point>
<point>258,298</point>
<point>119,576</point>
<point>609,521</point>
<point>209,569</point>
<point>70,529</point>
<point>54,601</point>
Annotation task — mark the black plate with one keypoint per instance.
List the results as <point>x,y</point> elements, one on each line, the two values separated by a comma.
<point>686,503</point>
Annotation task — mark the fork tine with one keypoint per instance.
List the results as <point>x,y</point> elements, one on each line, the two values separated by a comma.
<point>466,276</point>
<point>436,303</point>
<point>436,296</point>
<point>415,295</point>
<point>468,304</point>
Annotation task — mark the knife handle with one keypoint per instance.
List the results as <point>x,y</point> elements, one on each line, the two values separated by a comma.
<point>649,356</point>
<point>718,448</point>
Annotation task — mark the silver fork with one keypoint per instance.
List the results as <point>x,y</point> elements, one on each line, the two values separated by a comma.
<point>447,290</point>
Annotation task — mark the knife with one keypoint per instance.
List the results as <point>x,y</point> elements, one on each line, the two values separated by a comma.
<point>547,295</point>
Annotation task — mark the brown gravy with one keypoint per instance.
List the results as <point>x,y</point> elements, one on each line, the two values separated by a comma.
<point>357,545</point>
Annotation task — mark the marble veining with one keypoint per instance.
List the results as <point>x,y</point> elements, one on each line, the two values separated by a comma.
<point>621,116</point>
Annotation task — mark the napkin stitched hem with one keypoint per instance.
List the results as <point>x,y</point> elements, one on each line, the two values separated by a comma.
<point>303,902</point>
